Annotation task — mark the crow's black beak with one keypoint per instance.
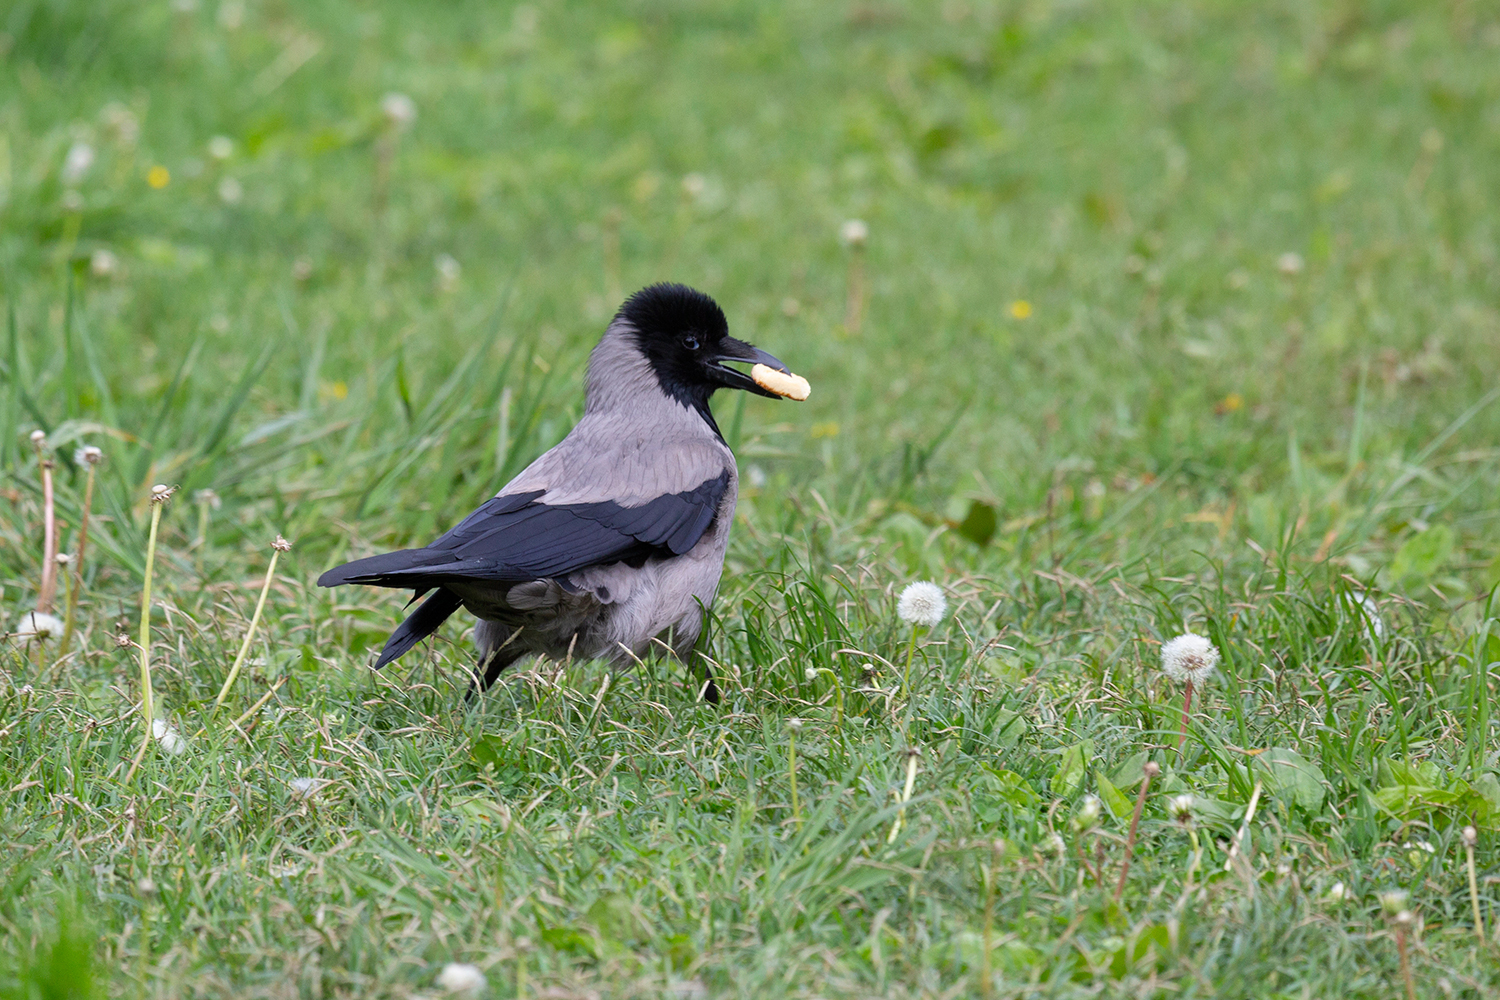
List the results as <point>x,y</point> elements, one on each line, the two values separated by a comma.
<point>733,378</point>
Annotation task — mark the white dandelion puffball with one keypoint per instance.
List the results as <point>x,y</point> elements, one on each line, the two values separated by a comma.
<point>303,788</point>
<point>399,109</point>
<point>922,603</point>
<point>103,263</point>
<point>80,157</point>
<point>1189,659</point>
<point>1375,625</point>
<point>461,977</point>
<point>1180,808</point>
<point>221,147</point>
<point>170,739</point>
<point>39,625</point>
<point>854,232</point>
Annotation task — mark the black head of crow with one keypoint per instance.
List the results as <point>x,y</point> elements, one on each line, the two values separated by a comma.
<point>613,541</point>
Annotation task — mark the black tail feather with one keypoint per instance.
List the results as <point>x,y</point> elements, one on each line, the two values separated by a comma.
<point>383,570</point>
<point>419,625</point>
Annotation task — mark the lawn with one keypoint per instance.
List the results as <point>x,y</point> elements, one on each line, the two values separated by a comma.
<point>1166,317</point>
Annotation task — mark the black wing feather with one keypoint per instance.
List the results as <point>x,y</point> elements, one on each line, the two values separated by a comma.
<point>519,537</point>
<point>419,625</point>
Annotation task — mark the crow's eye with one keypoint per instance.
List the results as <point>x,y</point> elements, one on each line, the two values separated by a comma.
<point>690,342</point>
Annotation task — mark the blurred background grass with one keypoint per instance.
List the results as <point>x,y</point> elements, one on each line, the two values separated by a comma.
<point>1135,174</point>
<point>1151,281</point>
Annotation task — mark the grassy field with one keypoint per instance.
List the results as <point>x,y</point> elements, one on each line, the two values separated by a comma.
<point>1170,316</point>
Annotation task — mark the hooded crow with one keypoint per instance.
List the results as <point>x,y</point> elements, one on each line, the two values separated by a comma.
<point>615,537</point>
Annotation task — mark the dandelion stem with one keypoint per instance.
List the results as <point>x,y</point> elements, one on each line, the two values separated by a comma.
<point>911,651</point>
<point>1470,836</point>
<point>1152,770</point>
<point>48,589</point>
<point>83,541</point>
<point>258,705</point>
<point>148,709</point>
<point>986,965</point>
<point>854,307</point>
<point>792,769</point>
<point>1411,986</point>
<point>1238,844</point>
<point>1187,704</point>
<point>239,661</point>
<point>911,782</point>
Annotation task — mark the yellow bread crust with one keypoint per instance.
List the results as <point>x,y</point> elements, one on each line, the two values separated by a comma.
<point>782,383</point>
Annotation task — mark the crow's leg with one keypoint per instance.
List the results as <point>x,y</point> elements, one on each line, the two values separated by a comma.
<point>710,690</point>
<point>497,650</point>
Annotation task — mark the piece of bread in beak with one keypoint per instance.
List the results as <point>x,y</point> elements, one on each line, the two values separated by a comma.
<point>782,383</point>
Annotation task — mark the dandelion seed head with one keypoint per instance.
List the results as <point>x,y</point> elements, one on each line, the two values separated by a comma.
<point>1471,836</point>
<point>170,739</point>
<point>461,977</point>
<point>398,109</point>
<point>1290,264</point>
<point>146,886</point>
<point>121,121</point>
<point>161,493</point>
<point>1375,625</point>
<point>922,603</point>
<point>103,263</point>
<point>794,724</point>
<point>39,625</point>
<point>230,191</point>
<point>88,455</point>
<point>77,163</point>
<point>38,436</point>
<point>63,558</point>
<point>1404,919</point>
<point>854,233</point>
<point>1337,893</point>
<point>1089,812</point>
<point>811,674</point>
<point>1152,769</point>
<point>221,147</point>
<point>1393,902</point>
<point>207,498</point>
<point>1180,807</point>
<point>303,788</point>
<point>281,544</point>
<point>1189,659</point>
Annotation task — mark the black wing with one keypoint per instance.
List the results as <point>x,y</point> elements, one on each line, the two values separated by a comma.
<point>521,537</point>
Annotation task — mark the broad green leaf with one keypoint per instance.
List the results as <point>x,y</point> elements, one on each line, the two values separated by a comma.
<point>978,525</point>
<point>1116,801</point>
<point>1007,728</point>
<point>1423,554</point>
<point>1131,771</point>
<point>1071,769</point>
<point>1289,772</point>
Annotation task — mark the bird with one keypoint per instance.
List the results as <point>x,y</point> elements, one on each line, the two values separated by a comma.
<point>614,539</point>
